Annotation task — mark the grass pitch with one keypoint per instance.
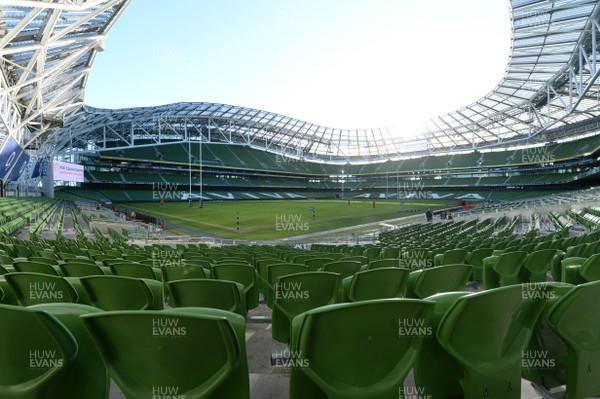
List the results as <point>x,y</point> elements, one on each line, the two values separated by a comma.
<point>268,220</point>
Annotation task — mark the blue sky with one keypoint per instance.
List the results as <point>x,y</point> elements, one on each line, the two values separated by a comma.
<point>339,63</point>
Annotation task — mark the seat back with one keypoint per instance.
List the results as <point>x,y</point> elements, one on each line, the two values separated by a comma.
<point>590,270</point>
<point>86,376</point>
<point>34,288</point>
<point>504,271</point>
<point>356,350</point>
<point>73,269</point>
<point>34,267</point>
<point>486,333</point>
<point>383,263</point>
<point>576,319</point>
<point>35,347</point>
<point>172,273</point>
<point>297,293</point>
<point>536,265</point>
<point>315,264</point>
<point>243,274</point>
<point>343,267</point>
<point>274,272</point>
<point>454,256</point>
<point>379,283</point>
<point>133,270</point>
<point>475,259</point>
<point>446,278</point>
<point>121,293</point>
<point>136,346</point>
<point>207,293</point>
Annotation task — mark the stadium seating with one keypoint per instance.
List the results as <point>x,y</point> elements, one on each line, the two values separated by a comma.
<point>355,349</point>
<point>206,343</point>
<point>298,293</point>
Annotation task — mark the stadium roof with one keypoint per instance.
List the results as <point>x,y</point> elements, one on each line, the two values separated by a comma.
<point>549,87</point>
<point>550,79</point>
<point>46,52</point>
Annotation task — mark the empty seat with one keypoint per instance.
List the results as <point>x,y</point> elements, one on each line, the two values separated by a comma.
<point>502,270</point>
<point>208,293</point>
<point>192,353</point>
<point>446,278</point>
<point>123,293</point>
<point>34,288</point>
<point>452,256</point>
<point>485,335</point>
<point>390,282</point>
<point>46,354</point>
<point>35,267</point>
<point>135,270</point>
<point>383,263</point>
<point>297,293</point>
<point>576,320</point>
<point>475,258</point>
<point>73,269</point>
<point>355,350</point>
<point>274,272</point>
<point>243,274</point>
<point>536,265</point>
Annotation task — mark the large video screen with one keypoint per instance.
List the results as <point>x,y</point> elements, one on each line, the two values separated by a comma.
<point>67,171</point>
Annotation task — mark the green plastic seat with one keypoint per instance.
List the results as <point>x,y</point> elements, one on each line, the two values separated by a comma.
<point>243,274</point>
<point>450,257</point>
<point>46,254</point>
<point>389,282</point>
<point>342,267</point>
<point>297,293</point>
<point>191,352</point>
<point>48,261</point>
<point>35,267</point>
<point>475,258</point>
<point>576,320</point>
<point>34,288</point>
<point>274,272</point>
<point>86,376</point>
<point>104,257</point>
<point>390,253</point>
<point>444,378</point>
<point>208,293</point>
<point>543,360</point>
<point>372,253</point>
<point>8,296</point>
<point>357,258</point>
<point>356,350</point>
<point>135,270</point>
<point>80,259</point>
<point>581,270</point>
<point>135,258</point>
<point>485,335</point>
<point>185,272</point>
<point>315,264</point>
<point>35,349</point>
<point>123,293</point>
<point>73,269</point>
<point>536,265</point>
<point>446,278</point>
<point>262,266</point>
<point>502,270</point>
<point>416,259</point>
<point>382,263</point>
